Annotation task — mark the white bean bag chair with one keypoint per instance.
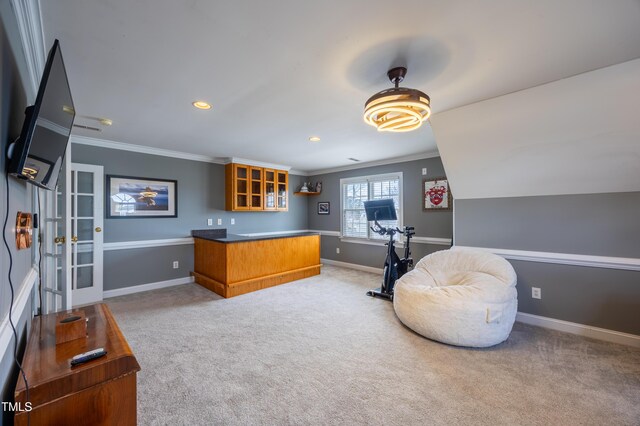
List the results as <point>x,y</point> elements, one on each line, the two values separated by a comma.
<point>462,297</point>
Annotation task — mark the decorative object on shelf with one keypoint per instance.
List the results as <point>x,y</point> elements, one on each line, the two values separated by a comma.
<point>399,109</point>
<point>24,230</point>
<point>437,195</point>
<point>323,207</point>
<point>319,187</point>
<point>134,197</point>
<point>305,187</point>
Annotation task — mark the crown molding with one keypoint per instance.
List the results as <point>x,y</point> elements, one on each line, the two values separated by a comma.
<point>412,157</point>
<point>29,21</point>
<point>228,160</point>
<point>103,143</point>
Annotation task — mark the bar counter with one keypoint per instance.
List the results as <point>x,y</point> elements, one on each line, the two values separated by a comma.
<point>231,265</point>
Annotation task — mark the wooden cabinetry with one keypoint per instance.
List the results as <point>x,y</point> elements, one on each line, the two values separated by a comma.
<point>251,188</point>
<point>231,267</point>
<point>99,392</point>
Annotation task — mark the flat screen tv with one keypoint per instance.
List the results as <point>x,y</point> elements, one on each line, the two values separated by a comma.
<point>38,154</point>
<point>380,210</point>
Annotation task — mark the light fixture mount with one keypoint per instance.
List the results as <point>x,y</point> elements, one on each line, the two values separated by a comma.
<point>399,109</point>
<point>396,75</point>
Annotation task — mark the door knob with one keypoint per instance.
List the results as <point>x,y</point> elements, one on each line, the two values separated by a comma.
<point>98,229</point>
<point>59,240</point>
<point>74,239</point>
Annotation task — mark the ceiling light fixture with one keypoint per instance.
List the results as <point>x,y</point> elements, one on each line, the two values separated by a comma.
<point>201,105</point>
<point>314,138</point>
<point>399,109</point>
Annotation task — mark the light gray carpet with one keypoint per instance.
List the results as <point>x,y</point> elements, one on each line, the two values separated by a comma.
<point>318,351</point>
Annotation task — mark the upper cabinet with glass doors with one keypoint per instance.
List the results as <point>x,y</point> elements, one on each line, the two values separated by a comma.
<point>251,188</point>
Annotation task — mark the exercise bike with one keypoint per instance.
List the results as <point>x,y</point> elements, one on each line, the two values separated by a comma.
<point>394,266</point>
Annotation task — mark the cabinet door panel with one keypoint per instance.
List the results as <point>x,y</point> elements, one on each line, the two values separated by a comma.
<point>282,190</point>
<point>255,188</point>
<point>269,190</point>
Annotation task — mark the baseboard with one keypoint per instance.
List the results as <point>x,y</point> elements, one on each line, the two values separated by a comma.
<point>146,287</point>
<point>580,329</point>
<point>19,305</point>
<point>351,266</point>
<point>545,322</point>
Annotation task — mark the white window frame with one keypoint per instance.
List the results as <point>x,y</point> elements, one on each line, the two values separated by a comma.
<point>369,179</point>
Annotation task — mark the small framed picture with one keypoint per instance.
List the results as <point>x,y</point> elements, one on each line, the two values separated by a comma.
<point>323,207</point>
<point>436,195</point>
<point>134,197</point>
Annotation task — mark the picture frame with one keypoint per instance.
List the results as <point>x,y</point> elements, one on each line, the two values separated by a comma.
<point>436,195</point>
<point>323,207</point>
<point>129,197</point>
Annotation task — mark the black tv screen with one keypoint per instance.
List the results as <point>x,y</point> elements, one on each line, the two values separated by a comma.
<point>380,210</point>
<point>38,154</point>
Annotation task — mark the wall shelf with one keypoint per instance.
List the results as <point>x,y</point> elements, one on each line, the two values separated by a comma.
<point>306,193</point>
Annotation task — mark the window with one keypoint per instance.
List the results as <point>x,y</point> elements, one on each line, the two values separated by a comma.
<point>355,191</point>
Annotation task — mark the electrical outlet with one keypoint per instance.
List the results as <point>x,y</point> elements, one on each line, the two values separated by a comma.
<point>209,222</point>
<point>176,265</point>
<point>233,221</point>
<point>219,221</point>
<point>536,293</point>
<point>424,171</point>
<point>338,250</point>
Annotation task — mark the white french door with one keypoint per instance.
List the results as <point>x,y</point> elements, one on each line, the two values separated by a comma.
<point>55,248</point>
<point>86,190</point>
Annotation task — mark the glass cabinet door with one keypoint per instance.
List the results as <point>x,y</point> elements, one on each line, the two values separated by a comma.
<point>269,189</point>
<point>256,188</point>
<point>241,178</point>
<point>282,190</point>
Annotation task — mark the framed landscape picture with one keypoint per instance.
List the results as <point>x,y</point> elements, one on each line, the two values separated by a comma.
<point>135,197</point>
<point>436,195</point>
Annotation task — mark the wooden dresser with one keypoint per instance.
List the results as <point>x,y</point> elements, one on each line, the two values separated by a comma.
<point>99,392</point>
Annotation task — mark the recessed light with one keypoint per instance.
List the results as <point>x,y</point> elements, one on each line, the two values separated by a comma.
<point>314,138</point>
<point>201,105</point>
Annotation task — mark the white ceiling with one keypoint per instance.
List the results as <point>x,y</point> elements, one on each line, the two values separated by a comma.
<point>278,72</point>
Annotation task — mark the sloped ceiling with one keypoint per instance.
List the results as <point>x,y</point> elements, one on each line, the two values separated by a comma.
<point>578,135</point>
<point>280,71</point>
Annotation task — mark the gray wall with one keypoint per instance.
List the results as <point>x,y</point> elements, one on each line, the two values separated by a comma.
<point>12,107</point>
<point>427,224</point>
<point>200,197</point>
<point>590,224</point>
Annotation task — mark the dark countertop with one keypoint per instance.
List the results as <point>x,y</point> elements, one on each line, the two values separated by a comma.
<point>223,237</point>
